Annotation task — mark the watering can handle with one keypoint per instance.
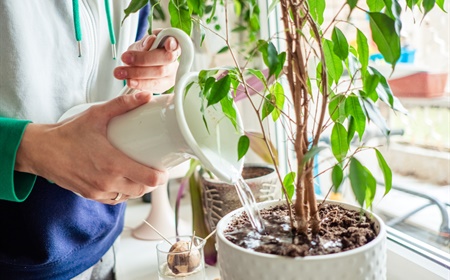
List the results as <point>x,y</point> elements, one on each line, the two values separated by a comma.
<point>186,58</point>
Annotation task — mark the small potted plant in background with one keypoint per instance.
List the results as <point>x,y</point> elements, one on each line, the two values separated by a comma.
<point>323,85</point>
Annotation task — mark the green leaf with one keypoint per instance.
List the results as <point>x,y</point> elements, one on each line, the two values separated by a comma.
<point>197,7</point>
<point>441,4</point>
<point>258,74</point>
<point>220,89</point>
<point>339,143</point>
<point>278,91</point>
<point>223,50</point>
<point>158,12</point>
<point>353,108</point>
<point>243,145</point>
<point>229,110</point>
<point>288,183</point>
<point>370,82</point>
<point>180,16</point>
<point>268,105</point>
<point>133,7</point>
<point>352,3</point>
<point>270,56</point>
<point>387,172</point>
<point>374,114</point>
<point>340,43</point>
<point>337,176</point>
<point>428,5</point>
<point>411,3</point>
<point>336,108</point>
<point>317,8</point>
<point>375,5</point>
<point>363,50</point>
<point>311,153</point>
<point>358,181</point>
<point>281,60</point>
<point>333,62</point>
<point>371,187</point>
<point>385,36</point>
<point>351,129</point>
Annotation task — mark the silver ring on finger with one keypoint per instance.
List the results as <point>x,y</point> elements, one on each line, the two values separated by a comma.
<point>118,197</point>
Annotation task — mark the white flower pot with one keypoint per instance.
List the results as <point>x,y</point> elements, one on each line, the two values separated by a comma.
<point>366,262</point>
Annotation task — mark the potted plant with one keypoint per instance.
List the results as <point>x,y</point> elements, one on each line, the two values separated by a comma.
<point>323,85</point>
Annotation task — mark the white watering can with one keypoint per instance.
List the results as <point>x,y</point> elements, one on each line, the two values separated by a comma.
<point>170,129</point>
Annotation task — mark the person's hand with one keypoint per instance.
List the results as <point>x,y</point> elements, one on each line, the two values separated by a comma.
<point>153,71</point>
<point>76,154</point>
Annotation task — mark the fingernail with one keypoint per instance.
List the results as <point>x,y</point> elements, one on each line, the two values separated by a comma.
<point>145,43</point>
<point>128,58</point>
<point>133,83</point>
<point>173,44</point>
<point>121,73</point>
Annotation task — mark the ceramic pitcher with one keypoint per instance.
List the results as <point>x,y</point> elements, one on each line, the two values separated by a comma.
<point>170,128</point>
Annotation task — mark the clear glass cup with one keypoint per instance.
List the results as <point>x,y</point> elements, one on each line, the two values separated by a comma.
<point>181,259</point>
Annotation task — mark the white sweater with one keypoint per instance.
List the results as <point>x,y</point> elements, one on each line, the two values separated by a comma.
<point>48,77</point>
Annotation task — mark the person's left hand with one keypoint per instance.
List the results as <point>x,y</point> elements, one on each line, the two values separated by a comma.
<point>153,71</point>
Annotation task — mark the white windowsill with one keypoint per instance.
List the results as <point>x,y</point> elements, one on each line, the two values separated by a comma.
<point>136,259</point>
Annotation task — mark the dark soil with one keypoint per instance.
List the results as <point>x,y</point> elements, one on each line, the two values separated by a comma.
<point>341,230</point>
<point>255,171</point>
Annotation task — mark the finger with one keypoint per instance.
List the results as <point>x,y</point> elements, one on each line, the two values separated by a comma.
<point>152,85</point>
<point>122,104</point>
<point>144,44</point>
<point>153,72</point>
<point>151,58</point>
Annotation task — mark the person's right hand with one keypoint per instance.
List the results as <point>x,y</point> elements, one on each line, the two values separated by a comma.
<point>76,154</point>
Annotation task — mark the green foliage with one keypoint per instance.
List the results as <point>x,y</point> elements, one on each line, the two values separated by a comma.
<point>350,109</point>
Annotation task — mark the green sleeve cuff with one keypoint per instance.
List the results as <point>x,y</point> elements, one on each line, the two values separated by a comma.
<point>14,185</point>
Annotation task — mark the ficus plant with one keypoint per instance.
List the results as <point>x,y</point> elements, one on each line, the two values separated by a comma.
<point>321,81</point>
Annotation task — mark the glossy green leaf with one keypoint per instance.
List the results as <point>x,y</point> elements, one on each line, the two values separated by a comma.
<point>370,82</point>
<point>336,108</point>
<point>206,90</point>
<point>288,183</point>
<point>258,74</point>
<point>358,182</point>
<point>281,60</point>
<point>371,187</point>
<point>229,110</point>
<point>353,108</point>
<point>243,145</point>
<point>197,7</point>
<point>339,143</point>
<point>133,7</point>
<point>180,16</point>
<point>375,5</point>
<point>317,9</point>
<point>278,91</point>
<point>385,36</point>
<point>311,153</point>
<point>351,129</point>
<point>158,12</point>
<point>352,3</point>
<point>268,105</point>
<point>223,50</point>
<point>219,90</point>
<point>270,56</point>
<point>363,50</point>
<point>386,170</point>
<point>411,3</point>
<point>334,64</point>
<point>428,5</point>
<point>374,115</point>
<point>337,176</point>
<point>340,47</point>
<point>441,4</point>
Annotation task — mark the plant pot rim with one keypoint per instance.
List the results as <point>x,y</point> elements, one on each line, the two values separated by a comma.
<point>380,229</point>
